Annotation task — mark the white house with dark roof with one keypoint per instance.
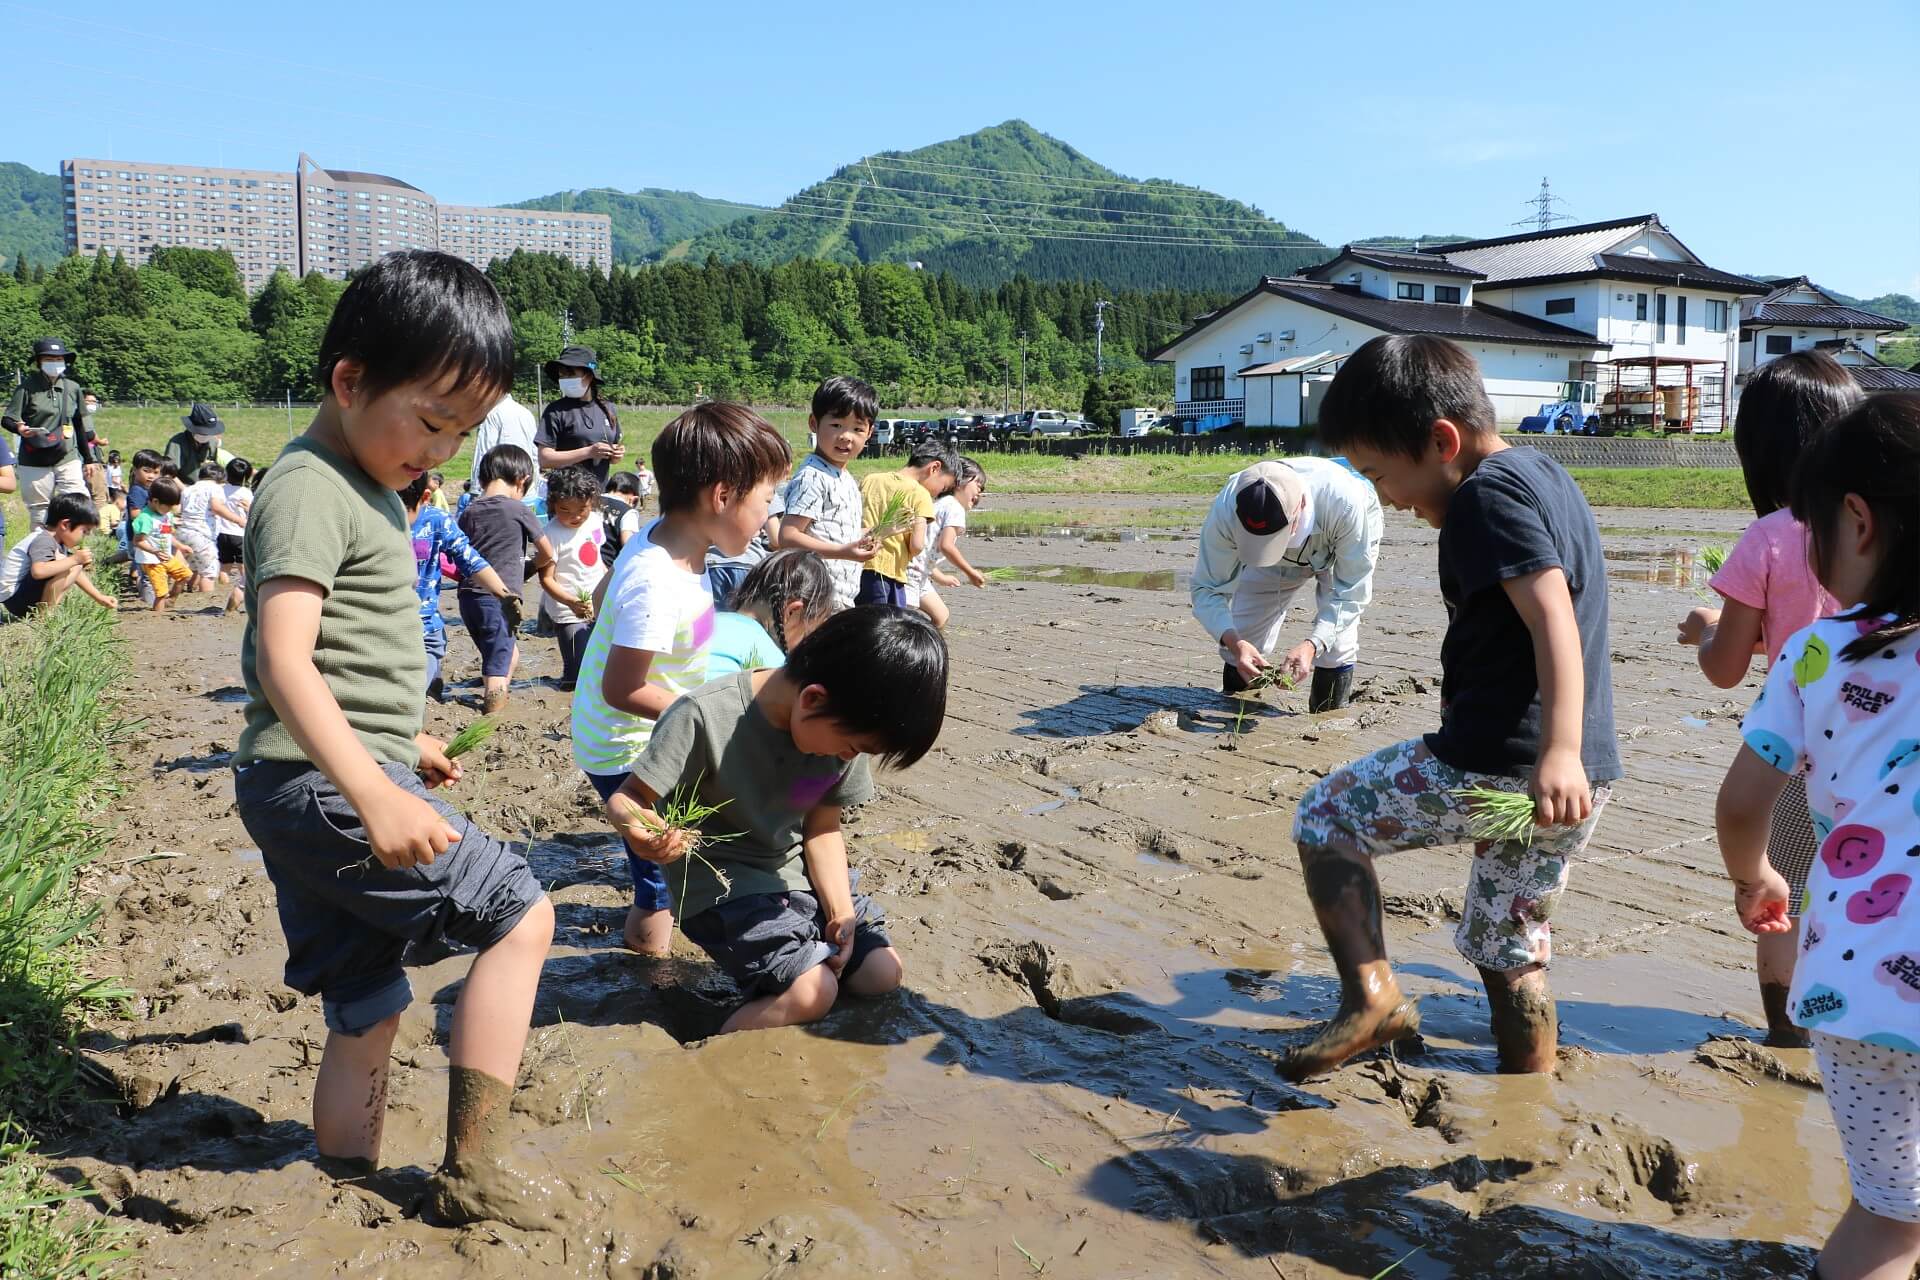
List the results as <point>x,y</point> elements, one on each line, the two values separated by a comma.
<point>1670,322</point>
<point>1264,358</point>
<point>1795,314</point>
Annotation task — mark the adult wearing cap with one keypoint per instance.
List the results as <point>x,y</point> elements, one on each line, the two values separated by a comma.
<point>1274,528</point>
<point>579,429</point>
<point>56,440</point>
<point>197,443</point>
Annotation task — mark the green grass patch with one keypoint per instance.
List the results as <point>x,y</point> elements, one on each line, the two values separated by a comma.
<point>44,1233</point>
<point>1697,488</point>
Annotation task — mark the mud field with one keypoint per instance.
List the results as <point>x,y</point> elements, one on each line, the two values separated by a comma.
<point>1107,948</point>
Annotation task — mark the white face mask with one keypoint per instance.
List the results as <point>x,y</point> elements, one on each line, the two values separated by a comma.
<point>573,388</point>
<point>200,439</point>
<point>53,368</point>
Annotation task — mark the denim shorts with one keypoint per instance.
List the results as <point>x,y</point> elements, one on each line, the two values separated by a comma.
<point>766,941</point>
<point>487,624</point>
<point>649,880</point>
<point>348,919</point>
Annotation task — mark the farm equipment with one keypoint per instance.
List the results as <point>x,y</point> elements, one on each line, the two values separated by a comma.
<point>1560,417</point>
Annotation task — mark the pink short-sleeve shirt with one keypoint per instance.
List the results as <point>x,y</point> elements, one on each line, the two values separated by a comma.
<point>1767,570</point>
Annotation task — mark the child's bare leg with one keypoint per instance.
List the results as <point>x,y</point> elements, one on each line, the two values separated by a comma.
<point>1346,901</point>
<point>1773,955</point>
<point>935,608</point>
<point>878,974</point>
<point>1526,1022</point>
<point>494,693</point>
<point>490,1020</point>
<point>649,932</point>
<point>807,1000</point>
<point>1865,1246</point>
<point>85,582</point>
<point>350,1095</point>
<point>55,588</point>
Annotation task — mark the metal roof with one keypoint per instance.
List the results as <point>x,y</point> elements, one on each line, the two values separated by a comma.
<point>1809,313</point>
<point>371,179</point>
<point>1394,260</point>
<point>1558,252</point>
<point>1293,364</point>
<point>1884,377</point>
<point>1669,270</point>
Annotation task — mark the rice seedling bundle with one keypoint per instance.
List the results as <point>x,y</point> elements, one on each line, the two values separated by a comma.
<point>1005,573</point>
<point>1712,558</point>
<point>468,738</point>
<point>684,811</point>
<point>894,516</point>
<point>1499,815</point>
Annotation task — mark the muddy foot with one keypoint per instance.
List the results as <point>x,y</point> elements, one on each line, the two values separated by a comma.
<point>1788,1037</point>
<point>1349,1035</point>
<point>491,1190</point>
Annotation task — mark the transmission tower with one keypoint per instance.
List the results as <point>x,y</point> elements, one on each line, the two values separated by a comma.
<point>1544,214</point>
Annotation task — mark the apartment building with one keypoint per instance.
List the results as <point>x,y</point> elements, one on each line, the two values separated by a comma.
<point>310,219</point>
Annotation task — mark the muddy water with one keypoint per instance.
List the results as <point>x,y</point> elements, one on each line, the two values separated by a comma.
<point>1107,950</point>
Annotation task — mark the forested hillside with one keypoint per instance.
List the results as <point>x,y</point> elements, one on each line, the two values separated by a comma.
<point>32,224</point>
<point>649,223</point>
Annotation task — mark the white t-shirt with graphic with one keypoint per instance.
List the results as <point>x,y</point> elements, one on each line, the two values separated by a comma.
<point>579,562</point>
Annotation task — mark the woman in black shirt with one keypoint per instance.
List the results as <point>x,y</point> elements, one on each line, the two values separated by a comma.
<point>579,429</point>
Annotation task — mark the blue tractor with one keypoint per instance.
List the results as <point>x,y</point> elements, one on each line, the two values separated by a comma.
<point>1565,417</point>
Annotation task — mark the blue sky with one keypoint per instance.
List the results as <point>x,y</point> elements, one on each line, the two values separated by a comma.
<point>1768,139</point>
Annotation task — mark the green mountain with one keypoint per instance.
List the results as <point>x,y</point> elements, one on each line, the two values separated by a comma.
<point>32,223</point>
<point>1407,242</point>
<point>1009,200</point>
<point>648,224</point>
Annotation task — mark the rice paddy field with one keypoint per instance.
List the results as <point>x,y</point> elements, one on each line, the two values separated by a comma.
<point>1107,949</point>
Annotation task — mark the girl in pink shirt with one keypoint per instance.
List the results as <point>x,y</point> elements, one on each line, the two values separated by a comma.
<point>1770,592</point>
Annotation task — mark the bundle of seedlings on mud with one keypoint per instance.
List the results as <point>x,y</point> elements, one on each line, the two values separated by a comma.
<point>1268,678</point>
<point>475,733</point>
<point>1005,573</point>
<point>684,811</point>
<point>894,516</point>
<point>1710,559</point>
<point>1498,816</point>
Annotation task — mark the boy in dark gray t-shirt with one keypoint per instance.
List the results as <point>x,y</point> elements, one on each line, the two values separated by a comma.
<point>761,883</point>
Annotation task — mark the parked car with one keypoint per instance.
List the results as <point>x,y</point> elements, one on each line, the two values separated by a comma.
<point>883,432</point>
<point>1138,422</point>
<point>1047,422</point>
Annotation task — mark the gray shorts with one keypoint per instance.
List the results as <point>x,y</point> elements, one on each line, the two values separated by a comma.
<point>347,924</point>
<point>765,941</point>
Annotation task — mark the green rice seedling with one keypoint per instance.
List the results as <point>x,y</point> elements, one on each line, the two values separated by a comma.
<point>1269,677</point>
<point>1499,815</point>
<point>1713,558</point>
<point>894,516</point>
<point>475,733</point>
<point>684,811</point>
<point>1005,573</point>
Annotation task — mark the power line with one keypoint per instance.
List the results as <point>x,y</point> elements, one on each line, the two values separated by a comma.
<point>1088,208</point>
<point>911,163</point>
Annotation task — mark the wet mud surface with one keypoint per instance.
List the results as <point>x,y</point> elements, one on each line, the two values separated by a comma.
<point>1108,949</point>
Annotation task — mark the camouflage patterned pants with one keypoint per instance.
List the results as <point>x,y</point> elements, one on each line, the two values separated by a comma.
<point>1401,797</point>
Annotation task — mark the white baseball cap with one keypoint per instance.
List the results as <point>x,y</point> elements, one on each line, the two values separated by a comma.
<point>1270,501</point>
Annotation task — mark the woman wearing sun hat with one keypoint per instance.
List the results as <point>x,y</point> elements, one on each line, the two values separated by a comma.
<point>198,443</point>
<point>579,429</point>
<point>56,440</point>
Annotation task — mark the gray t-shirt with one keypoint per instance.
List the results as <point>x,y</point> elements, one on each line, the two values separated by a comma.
<point>28,590</point>
<point>716,742</point>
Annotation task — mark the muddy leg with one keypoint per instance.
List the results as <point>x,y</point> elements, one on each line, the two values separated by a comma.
<point>1526,1023</point>
<point>350,1096</point>
<point>1346,901</point>
<point>808,1000</point>
<point>1774,954</point>
<point>650,933</point>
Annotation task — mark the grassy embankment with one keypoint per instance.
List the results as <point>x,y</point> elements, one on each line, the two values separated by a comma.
<point>60,720</point>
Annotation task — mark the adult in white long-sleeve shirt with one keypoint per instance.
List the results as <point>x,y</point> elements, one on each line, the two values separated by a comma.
<point>1275,527</point>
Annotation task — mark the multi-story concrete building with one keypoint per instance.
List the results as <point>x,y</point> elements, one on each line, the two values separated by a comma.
<point>311,219</point>
<point>481,235</point>
<point>134,208</point>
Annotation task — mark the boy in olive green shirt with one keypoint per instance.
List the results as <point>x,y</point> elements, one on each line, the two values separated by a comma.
<point>929,474</point>
<point>329,769</point>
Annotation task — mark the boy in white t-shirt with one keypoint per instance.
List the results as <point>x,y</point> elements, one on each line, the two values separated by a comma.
<point>578,533</point>
<point>949,522</point>
<point>193,525</point>
<point>229,526</point>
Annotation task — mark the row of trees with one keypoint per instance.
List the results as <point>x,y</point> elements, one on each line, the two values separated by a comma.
<point>181,327</point>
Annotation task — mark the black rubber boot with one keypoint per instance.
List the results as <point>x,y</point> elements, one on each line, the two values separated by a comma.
<point>1332,686</point>
<point>1231,681</point>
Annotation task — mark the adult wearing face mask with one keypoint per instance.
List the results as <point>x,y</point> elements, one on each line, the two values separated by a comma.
<point>198,443</point>
<point>579,429</point>
<point>45,411</point>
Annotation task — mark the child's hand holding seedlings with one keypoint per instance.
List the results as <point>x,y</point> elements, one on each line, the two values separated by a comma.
<point>436,767</point>
<point>862,549</point>
<point>1697,627</point>
<point>649,838</point>
<point>976,577</point>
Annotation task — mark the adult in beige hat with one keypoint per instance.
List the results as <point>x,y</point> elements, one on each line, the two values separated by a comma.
<point>1274,528</point>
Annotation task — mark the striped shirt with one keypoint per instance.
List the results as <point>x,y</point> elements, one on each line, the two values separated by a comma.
<point>651,604</point>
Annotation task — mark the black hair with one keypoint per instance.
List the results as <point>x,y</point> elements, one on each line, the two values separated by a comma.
<point>1873,453</point>
<point>147,458</point>
<point>165,489</point>
<point>239,471</point>
<point>932,450</point>
<point>843,397</point>
<point>438,477</point>
<point>210,471</point>
<point>1389,393</point>
<point>169,469</point>
<point>571,484</point>
<point>715,443</point>
<point>420,315</point>
<point>786,575</point>
<point>415,493</point>
<point>113,456</point>
<point>885,673</point>
<point>624,482</point>
<point>1781,409</point>
<point>508,462</point>
<point>971,470</point>
<point>75,509</point>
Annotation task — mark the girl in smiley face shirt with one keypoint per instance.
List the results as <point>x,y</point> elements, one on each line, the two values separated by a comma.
<point>1842,706</point>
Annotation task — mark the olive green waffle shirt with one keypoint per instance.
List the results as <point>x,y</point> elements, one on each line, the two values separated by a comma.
<point>320,518</point>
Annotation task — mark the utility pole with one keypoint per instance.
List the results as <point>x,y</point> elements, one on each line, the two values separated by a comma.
<point>1099,331</point>
<point>1023,371</point>
<point>1006,394</point>
<point>1544,214</point>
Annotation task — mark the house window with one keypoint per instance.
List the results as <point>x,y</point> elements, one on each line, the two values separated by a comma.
<point>1559,306</point>
<point>1209,383</point>
<point>1412,292</point>
<point>1660,318</point>
<point>1446,293</point>
<point>1716,316</point>
<point>1779,344</point>
<point>1680,318</point>
<point>1639,306</point>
